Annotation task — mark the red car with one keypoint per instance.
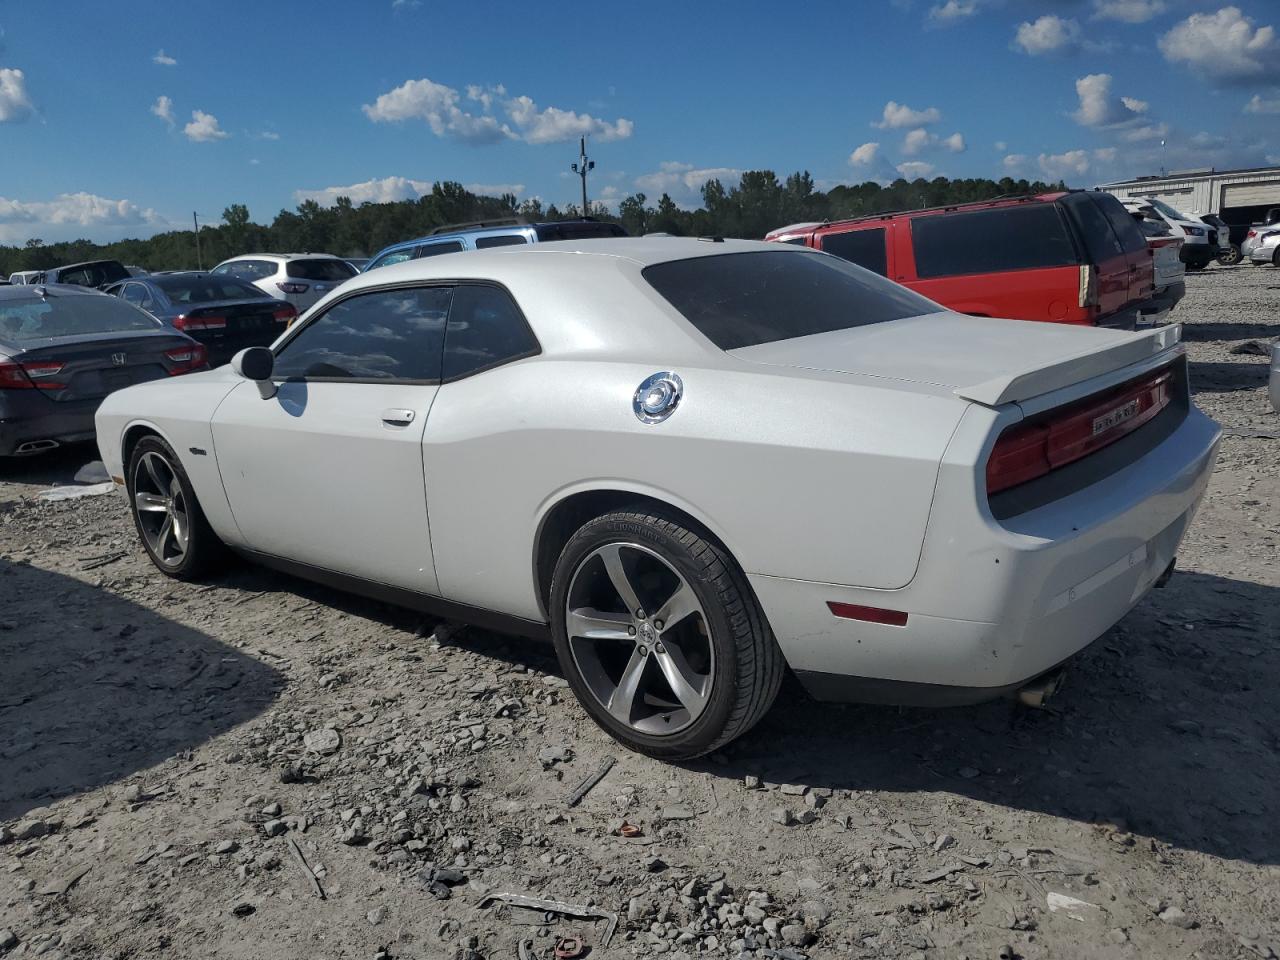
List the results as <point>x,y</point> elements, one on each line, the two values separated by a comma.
<point>1073,257</point>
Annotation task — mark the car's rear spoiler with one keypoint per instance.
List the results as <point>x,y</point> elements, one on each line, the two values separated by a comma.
<point>1023,385</point>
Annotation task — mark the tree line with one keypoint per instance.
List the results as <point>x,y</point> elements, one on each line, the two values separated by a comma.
<point>758,203</point>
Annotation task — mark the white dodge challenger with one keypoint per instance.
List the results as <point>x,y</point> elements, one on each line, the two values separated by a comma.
<point>692,463</point>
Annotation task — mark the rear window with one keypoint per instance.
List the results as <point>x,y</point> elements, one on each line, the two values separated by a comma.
<point>206,289</point>
<point>743,299</point>
<point>37,319</point>
<point>332,271</point>
<point>1100,241</point>
<point>578,231</point>
<point>991,241</point>
<point>863,247</point>
<point>94,274</point>
<point>508,240</point>
<point>1131,238</point>
<point>435,249</point>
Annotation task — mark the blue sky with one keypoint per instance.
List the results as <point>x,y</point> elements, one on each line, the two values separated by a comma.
<point>120,119</point>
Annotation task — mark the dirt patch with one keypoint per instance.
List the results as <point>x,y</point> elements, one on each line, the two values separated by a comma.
<point>171,756</point>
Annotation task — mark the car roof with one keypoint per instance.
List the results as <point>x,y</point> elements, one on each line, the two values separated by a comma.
<point>82,263</point>
<point>281,257</point>
<point>27,291</point>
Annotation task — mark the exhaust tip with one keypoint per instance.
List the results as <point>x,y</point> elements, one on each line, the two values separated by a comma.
<point>36,446</point>
<point>1037,693</point>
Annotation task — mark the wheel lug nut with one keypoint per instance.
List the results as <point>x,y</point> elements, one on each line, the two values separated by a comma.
<point>639,614</point>
<point>657,624</point>
<point>631,631</point>
<point>643,650</point>
<point>660,648</point>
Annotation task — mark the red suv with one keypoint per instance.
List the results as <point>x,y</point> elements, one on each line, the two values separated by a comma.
<point>1074,257</point>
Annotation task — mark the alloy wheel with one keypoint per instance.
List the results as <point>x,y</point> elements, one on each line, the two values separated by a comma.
<point>161,508</point>
<point>640,638</point>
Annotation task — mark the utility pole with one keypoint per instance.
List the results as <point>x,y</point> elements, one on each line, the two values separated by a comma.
<point>196,223</point>
<point>581,168</point>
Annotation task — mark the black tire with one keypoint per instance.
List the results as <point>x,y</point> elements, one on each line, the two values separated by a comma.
<point>1275,258</point>
<point>748,665</point>
<point>1195,265</point>
<point>203,552</point>
<point>1230,256</point>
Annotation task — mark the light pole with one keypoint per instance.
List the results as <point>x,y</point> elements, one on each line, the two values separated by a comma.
<point>581,168</point>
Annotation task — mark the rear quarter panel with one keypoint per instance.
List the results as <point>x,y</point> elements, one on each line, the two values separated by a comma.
<point>1049,294</point>
<point>821,477</point>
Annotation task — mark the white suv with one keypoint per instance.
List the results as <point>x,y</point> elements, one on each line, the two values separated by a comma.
<point>297,278</point>
<point>1199,239</point>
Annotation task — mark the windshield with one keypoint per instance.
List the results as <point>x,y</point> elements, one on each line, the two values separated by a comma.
<point>742,299</point>
<point>22,321</point>
<point>1167,210</point>
<point>199,289</point>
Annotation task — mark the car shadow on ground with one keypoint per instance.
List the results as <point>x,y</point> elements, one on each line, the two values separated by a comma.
<point>1213,332</point>
<point>1162,726</point>
<point>48,469</point>
<point>1246,374</point>
<point>106,688</point>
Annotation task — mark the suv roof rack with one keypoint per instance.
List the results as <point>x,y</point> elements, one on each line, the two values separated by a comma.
<point>504,222</point>
<point>885,214</point>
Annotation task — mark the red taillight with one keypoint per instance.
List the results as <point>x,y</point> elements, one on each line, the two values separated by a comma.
<point>187,323</point>
<point>1029,450</point>
<point>31,376</point>
<point>293,287</point>
<point>855,611</point>
<point>187,359</point>
<point>285,313</point>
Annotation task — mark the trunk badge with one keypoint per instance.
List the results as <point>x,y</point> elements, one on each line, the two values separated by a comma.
<point>118,359</point>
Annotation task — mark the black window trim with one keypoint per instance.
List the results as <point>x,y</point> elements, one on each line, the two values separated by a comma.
<point>297,329</point>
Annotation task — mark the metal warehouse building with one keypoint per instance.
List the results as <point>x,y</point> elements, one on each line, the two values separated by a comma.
<point>1240,197</point>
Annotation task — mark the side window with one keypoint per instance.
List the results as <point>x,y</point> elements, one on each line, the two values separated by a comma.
<point>863,247</point>
<point>502,240</point>
<point>252,269</point>
<point>399,256</point>
<point>435,249</point>
<point>383,335</point>
<point>1130,237</point>
<point>991,241</point>
<point>1094,228</point>
<point>486,329</point>
<point>136,294</point>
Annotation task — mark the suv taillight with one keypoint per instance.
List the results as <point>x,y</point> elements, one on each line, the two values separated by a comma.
<point>1029,450</point>
<point>1088,286</point>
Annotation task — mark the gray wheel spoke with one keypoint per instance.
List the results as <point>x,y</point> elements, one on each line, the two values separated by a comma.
<point>598,625</point>
<point>622,703</point>
<point>149,461</point>
<point>162,538</point>
<point>612,557</point>
<point>685,684</point>
<point>678,606</point>
<point>150,502</point>
<point>179,528</point>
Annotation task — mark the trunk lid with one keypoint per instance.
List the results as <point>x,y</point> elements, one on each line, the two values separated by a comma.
<point>985,360</point>
<point>95,365</point>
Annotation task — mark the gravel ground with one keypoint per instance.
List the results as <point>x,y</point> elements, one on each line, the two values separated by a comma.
<point>170,754</point>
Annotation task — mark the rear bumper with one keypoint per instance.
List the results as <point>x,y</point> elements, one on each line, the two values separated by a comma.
<point>27,416</point>
<point>996,605</point>
<point>1146,313</point>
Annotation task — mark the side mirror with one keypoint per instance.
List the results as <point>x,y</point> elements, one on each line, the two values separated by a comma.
<point>256,364</point>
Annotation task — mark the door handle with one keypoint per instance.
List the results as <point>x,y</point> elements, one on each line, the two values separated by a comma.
<point>397,417</point>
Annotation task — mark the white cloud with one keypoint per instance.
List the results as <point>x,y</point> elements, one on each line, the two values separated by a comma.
<point>952,11</point>
<point>553,125</point>
<point>916,140</point>
<point>1099,109</point>
<point>1148,131</point>
<point>1062,165</point>
<point>955,143</point>
<point>74,210</point>
<point>864,155</point>
<point>204,128</point>
<point>405,4</point>
<point>913,169</point>
<point>440,106</point>
<point>437,104</point>
<point>1105,154</point>
<point>682,180</point>
<point>1224,46</point>
<point>1258,105</point>
<point>385,190</point>
<point>1127,11</point>
<point>1208,141</point>
<point>1049,34</point>
<point>268,135</point>
<point>1001,146</point>
<point>15,104</point>
<point>899,115</point>
<point>164,59</point>
<point>1014,162</point>
<point>163,108</point>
